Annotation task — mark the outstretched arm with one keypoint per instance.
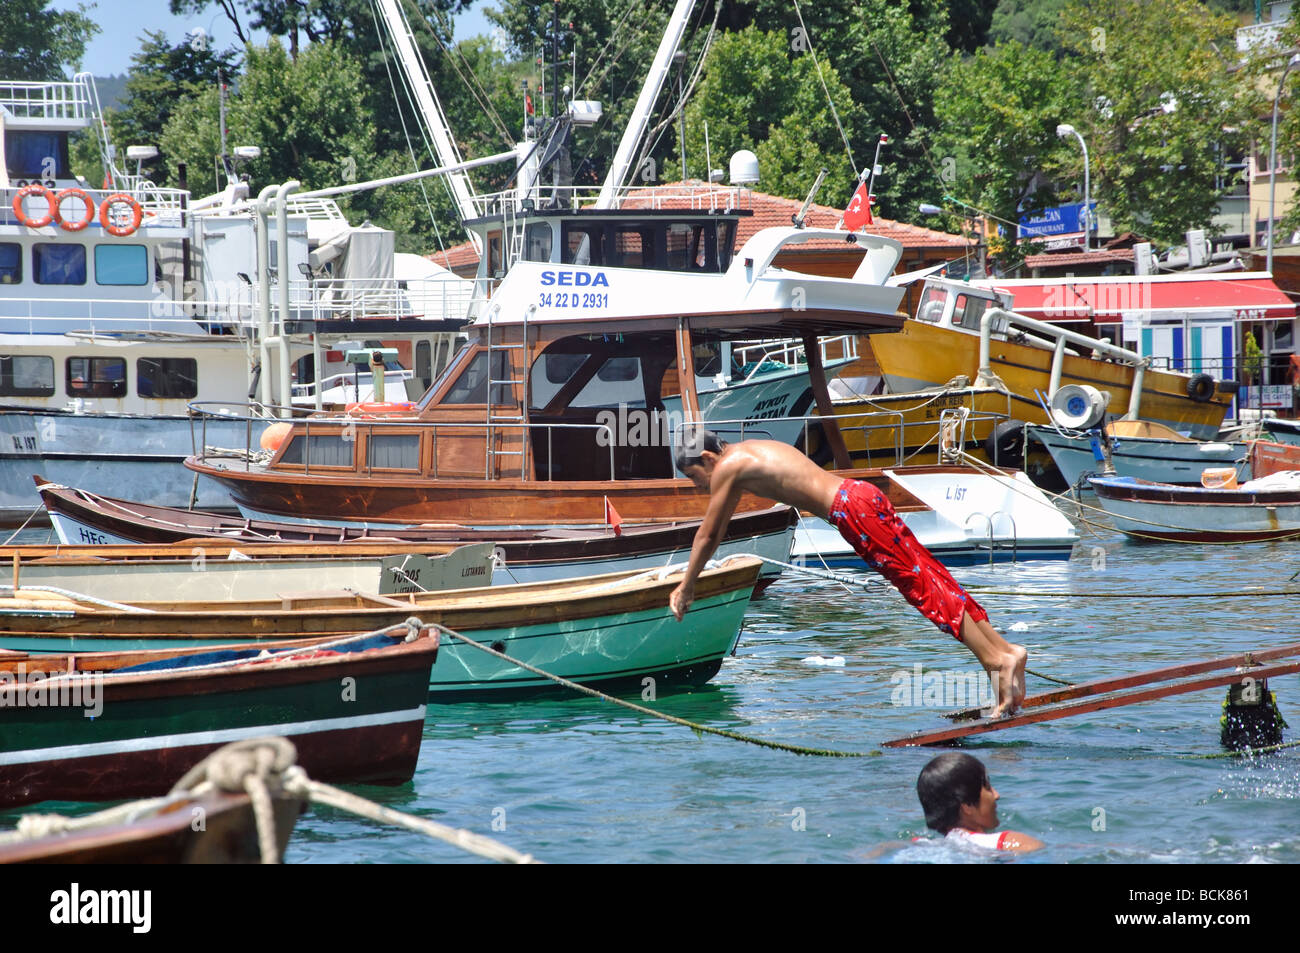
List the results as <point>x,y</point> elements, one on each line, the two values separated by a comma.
<point>722,503</point>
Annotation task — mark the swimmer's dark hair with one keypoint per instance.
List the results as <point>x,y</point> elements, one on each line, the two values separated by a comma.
<point>945,784</point>
<point>690,453</point>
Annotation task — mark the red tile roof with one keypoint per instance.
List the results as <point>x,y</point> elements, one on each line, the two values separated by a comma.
<point>768,211</point>
<point>1074,258</point>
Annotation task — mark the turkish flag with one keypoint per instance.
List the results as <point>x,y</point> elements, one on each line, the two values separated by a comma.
<point>612,518</point>
<point>528,104</point>
<point>859,211</point>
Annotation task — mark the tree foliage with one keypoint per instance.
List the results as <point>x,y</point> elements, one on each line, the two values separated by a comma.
<point>39,44</point>
<point>1153,102</point>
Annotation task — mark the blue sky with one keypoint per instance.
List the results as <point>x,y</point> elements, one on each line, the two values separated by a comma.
<point>123,21</point>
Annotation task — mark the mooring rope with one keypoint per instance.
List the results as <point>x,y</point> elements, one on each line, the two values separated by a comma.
<point>1243,753</point>
<point>694,726</point>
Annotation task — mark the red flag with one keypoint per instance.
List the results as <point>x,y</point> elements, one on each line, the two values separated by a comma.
<point>859,211</point>
<point>528,104</point>
<point>612,518</point>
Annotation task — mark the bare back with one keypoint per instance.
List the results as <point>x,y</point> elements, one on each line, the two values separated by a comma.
<point>777,471</point>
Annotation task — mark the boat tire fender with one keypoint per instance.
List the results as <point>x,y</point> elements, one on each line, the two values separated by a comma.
<point>1005,446</point>
<point>88,206</point>
<point>35,189</point>
<point>1200,388</point>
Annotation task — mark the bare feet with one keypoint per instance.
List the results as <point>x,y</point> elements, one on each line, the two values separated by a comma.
<point>1011,680</point>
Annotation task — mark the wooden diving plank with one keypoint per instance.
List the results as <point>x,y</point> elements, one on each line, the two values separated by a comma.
<point>1101,686</point>
<point>1066,709</point>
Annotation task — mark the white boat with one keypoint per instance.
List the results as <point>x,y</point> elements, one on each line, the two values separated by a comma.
<point>1267,508</point>
<point>1142,449</point>
<point>964,517</point>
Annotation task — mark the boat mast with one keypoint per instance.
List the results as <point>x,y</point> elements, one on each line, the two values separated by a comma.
<point>434,119</point>
<point>654,82</point>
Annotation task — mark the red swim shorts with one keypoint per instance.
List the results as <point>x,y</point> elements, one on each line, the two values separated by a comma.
<point>867,521</point>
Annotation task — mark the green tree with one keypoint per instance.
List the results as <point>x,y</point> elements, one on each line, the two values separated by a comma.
<point>997,113</point>
<point>1266,68</point>
<point>41,44</point>
<point>757,95</point>
<point>307,117</point>
<point>1153,102</point>
<point>1030,22</point>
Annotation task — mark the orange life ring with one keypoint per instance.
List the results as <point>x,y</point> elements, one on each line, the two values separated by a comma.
<point>370,408</point>
<point>120,198</point>
<point>87,201</point>
<point>35,189</point>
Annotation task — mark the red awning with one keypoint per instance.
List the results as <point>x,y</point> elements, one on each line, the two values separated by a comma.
<point>1240,296</point>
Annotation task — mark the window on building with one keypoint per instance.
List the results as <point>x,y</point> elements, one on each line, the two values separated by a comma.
<point>121,265</point>
<point>26,376</point>
<point>61,264</point>
<point>11,263</point>
<point>95,377</point>
<point>167,377</point>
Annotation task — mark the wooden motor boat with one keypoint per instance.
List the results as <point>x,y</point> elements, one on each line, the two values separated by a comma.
<point>1264,508</point>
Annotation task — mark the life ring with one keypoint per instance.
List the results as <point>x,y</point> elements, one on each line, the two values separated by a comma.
<point>69,225</point>
<point>370,408</point>
<point>106,207</point>
<point>1200,388</point>
<point>35,189</point>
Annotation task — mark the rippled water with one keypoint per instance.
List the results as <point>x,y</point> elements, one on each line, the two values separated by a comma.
<point>577,779</point>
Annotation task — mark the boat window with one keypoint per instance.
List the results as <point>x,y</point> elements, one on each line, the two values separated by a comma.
<point>471,386</point>
<point>323,450</point>
<point>495,268</point>
<point>617,382</point>
<point>619,369</point>
<point>558,368</point>
<point>394,451</point>
<point>931,307</point>
<point>969,310</point>
<point>11,263</point>
<point>26,376</point>
<point>584,246</point>
<point>726,243</point>
<point>36,155</point>
<point>61,264</point>
<point>95,377</point>
<point>167,377</point>
<point>424,364</point>
<point>121,265</point>
<point>537,242</point>
<point>634,247</point>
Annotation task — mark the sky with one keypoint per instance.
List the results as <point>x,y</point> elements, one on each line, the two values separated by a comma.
<point>122,22</point>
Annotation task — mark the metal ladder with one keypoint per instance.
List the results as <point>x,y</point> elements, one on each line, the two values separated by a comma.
<point>518,402</point>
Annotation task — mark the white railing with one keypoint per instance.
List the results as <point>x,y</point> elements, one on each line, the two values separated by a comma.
<point>318,210</point>
<point>1252,37</point>
<point>704,198</point>
<point>344,380</point>
<point>118,315</point>
<point>159,207</point>
<point>791,353</point>
<point>354,299</point>
<point>55,101</point>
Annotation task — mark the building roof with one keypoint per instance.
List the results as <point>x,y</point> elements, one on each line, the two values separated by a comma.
<point>767,211</point>
<point>1074,259</point>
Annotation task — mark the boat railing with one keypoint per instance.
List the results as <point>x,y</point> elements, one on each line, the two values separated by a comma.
<point>791,353</point>
<point>159,207</point>
<point>352,425</point>
<point>356,299</point>
<point>158,314</point>
<point>346,379</point>
<point>60,101</point>
<point>1060,336</point>
<point>1014,537</point>
<point>680,196</point>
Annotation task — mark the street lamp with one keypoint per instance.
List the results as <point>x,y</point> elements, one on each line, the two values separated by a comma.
<point>1063,130</point>
<point>1272,158</point>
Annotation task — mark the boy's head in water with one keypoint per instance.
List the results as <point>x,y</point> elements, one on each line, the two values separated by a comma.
<point>955,791</point>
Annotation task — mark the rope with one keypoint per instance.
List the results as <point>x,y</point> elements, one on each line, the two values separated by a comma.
<point>1249,594</point>
<point>30,516</point>
<point>694,726</point>
<point>80,597</point>
<point>848,150</point>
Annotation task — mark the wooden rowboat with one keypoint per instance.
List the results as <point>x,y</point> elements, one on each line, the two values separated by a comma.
<point>109,725</point>
<point>611,629</point>
<point>166,835</point>
<point>523,555</point>
<point>1266,508</point>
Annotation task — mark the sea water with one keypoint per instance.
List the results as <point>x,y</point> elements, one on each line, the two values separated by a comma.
<point>572,779</point>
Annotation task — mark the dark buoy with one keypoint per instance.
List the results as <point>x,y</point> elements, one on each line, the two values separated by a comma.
<point>1250,716</point>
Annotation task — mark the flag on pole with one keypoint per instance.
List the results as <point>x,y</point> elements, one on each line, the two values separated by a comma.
<point>612,518</point>
<point>859,211</point>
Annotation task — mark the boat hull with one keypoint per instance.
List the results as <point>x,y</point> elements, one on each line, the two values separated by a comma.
<point>1146,458</point>
<point>1163,512</point>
